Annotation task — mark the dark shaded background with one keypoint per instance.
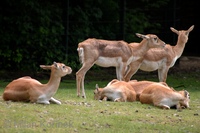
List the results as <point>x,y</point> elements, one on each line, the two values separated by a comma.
<point>185,15</point>
<point>52,34</point>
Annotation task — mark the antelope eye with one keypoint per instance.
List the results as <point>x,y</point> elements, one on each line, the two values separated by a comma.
<point>156,39</point>
<point>63,67</point>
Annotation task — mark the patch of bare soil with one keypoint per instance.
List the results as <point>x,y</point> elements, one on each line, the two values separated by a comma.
<point>186,64</point>
<point>189,63</point>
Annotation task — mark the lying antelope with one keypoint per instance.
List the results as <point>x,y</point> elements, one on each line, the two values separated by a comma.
<point>117,54</point>
<point>27,89</point>
<point>164,97</point>
<point>116,91</point>
<point>138,86</point>
<point>161,59</point>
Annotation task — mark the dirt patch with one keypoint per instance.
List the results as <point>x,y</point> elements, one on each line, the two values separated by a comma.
<point>189,63</point>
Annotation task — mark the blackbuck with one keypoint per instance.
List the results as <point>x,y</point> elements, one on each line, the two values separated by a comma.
<point>31,90</point>
<point>138,86</point>
<point>119,91</point>
<point>161,59</point>
<point>106,53</point>
<point>164,97</point>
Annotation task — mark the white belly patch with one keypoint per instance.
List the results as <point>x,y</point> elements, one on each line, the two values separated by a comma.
<point>113,95</point>
<point>169,102</point>
<point>115,61</point>
<point>150,65</point>
<point>173,61</point>
<point>108,62</point>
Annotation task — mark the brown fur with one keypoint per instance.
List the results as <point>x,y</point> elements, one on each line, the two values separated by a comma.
<point>139,86</point>
<point>28,89</point>
<point>161,59</point>
<point>118,91</point>
<point>107,53</point>
<point>164,97</point>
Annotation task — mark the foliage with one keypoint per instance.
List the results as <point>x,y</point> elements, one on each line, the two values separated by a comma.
<point>96,20</point>
<point>30,34</point>
<point>38,32</point>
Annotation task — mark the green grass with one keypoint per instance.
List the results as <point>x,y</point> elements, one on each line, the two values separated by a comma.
<point>80,115</point>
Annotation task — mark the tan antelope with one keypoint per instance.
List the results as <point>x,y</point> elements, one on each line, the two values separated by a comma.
<point>164,97</point>
<point>107,53</point>
<point>31,90</point>
<point>138,86</point>
<point>161,59</point>
<point>119,91</point>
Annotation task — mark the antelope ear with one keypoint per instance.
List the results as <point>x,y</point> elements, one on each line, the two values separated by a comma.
<point>174,30</point>
<point>191,28</point>
<point>186,93</point>
<point>142,36</point>
<point>55,64</point>
<point>46,67</point>
<point>97,87</point>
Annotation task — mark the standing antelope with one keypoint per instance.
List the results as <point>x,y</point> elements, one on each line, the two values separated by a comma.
<point>164,97</point>
<point>117,54</point>
<point>28,89</point>
<point>161,59</point>
<point>119,91</point>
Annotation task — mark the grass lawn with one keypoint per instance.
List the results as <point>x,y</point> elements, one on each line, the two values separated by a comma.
<point>78,115</point>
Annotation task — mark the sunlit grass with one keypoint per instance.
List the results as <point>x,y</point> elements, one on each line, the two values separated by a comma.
<point>76,114</point>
